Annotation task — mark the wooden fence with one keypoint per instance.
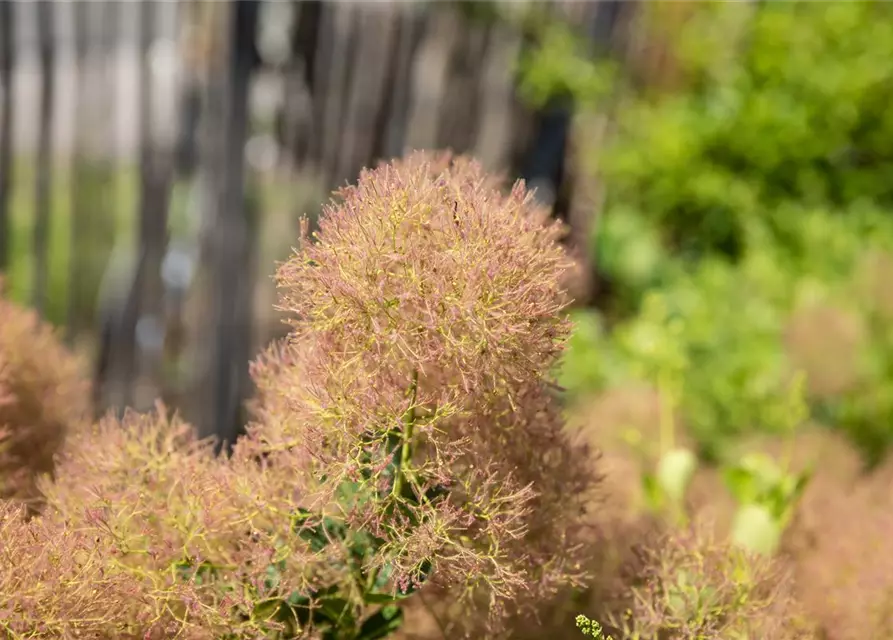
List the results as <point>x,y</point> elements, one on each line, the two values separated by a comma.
<point>167,148</point>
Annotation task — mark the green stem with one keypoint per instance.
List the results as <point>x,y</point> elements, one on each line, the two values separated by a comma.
<point>667,406</point>
<point>408,433</point>
<point>370,582</point>
<point>405,453</point>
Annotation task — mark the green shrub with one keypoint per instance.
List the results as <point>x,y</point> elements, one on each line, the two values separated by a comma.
<point>774,123</point>
<point>732,324</point>
<point>751,191</point>
<point>730,367</point>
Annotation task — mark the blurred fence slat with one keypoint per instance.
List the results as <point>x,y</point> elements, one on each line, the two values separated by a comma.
<point>429,78</point>
<point>411,29</point>
<point>365,100</point>
<point>44,161</point>
<point>134,350</point>
<point>7,106</point>
<point>501,122</point>
<point>338,28</point>
<point>608,22</point>
<point>461,106</point>
<point>226,324</point>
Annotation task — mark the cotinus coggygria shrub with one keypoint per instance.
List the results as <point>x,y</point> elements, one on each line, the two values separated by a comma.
<point>406,439</point>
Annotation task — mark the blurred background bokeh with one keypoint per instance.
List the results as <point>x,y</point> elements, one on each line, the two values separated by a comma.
<point>155,158</point>
<point>726,170</point>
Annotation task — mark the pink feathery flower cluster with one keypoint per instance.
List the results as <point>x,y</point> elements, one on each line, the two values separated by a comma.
<point>42,397</point>
<point>687,584</point>
<point>428,316</point>
<point>406,437</point>
<point>843,556</point>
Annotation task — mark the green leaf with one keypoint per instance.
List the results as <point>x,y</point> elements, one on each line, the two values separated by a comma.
<point>384,574</point>
<point>675,471</point>
<point>381,598</point>
<point>764,468</point>
<point>654,497</point>
<point>755,529</point>
<point>320,535</point>
<point>294,611</point>
<point>297,599</point>
<point>266,609</point>
<point>271,582</point>
<point>363,545</point>
<point>742,484</point>
<point>202,573</point>
<point>336,611</point>
<point>801,483</point>
<point>383,623</point>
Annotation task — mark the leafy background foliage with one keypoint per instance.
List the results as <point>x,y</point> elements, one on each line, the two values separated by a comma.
<point>745,240</point>
<point>757,192</point>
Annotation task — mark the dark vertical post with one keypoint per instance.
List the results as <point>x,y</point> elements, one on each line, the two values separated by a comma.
<point>366,97</point>
<point>339,27</point>
<point>143,302</point>
<point>607,31</point>
<point>7,66</point>
<point>190,100</point>
<point>300,73</point>
<point>411,30</point>
<point>460,116</point>
<point>156,172</point>
<point>545,163</point>
<point>230,237</point>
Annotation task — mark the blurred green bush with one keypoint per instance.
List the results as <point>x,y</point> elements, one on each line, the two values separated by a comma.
<point>752,191</point>
<point>800,115</point>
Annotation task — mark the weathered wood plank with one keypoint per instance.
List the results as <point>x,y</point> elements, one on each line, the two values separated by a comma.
<point>365,101</point>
